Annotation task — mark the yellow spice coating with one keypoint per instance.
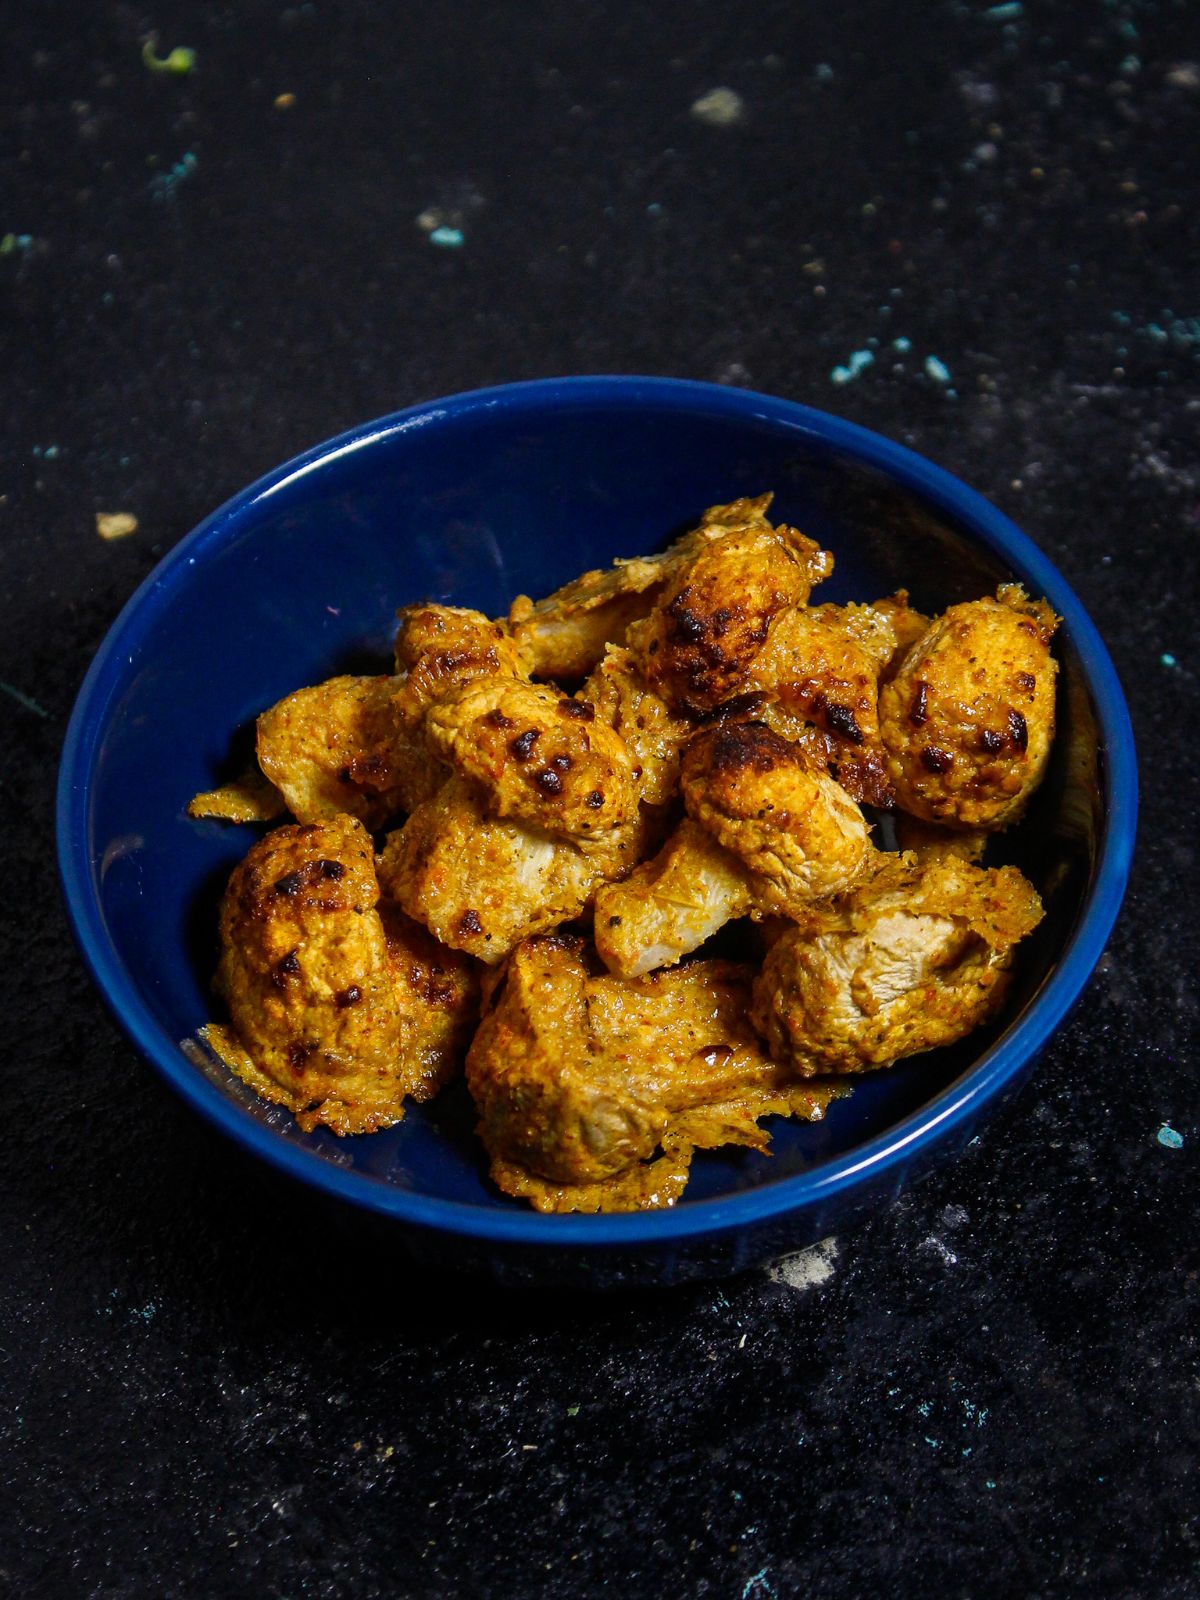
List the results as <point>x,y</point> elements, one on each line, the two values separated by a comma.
<point>542,757</point>
<point>337,1011</point>
<point>339,747</point>
<point>579,1079</point>
<point>698,645</point>
<point>915,957</point>
<point>968,719</point>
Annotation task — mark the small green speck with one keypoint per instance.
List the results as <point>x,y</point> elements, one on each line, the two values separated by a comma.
<point>1169,1138</point>
<point>179,62</point>
<point>1167,659</point>
<point>989,1483</point>
<point>572,1411</point>
<point>446,238</point>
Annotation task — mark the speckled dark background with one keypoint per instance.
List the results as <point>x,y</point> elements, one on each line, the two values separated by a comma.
<point>208,1387</point>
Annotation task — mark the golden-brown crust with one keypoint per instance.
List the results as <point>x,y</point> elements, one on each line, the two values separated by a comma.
<point>579,1079</point>
<point>968,718</point>
<point>564,635</point>
<point>793,827</point>
<point>482,884</point>
<point>915,957</point>
<point>653,736</point>
<point>698,644</point>
<point>819,673</point>
<point>542,757</point>
<point>332,1010</point>
<point>340,747</point>
<point>442,649</point>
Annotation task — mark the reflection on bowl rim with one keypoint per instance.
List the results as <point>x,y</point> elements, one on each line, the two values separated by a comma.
<point>689,1219</point>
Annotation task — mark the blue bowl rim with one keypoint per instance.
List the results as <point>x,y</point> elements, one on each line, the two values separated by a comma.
<point>913,1135</point>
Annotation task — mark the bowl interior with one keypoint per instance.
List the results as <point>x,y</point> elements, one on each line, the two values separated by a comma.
<point>301,580</point>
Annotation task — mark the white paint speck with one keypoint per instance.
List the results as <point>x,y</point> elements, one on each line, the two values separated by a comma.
<point>807,1268</point>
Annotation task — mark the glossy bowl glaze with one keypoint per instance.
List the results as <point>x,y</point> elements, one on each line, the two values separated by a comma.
<point>471,500</point>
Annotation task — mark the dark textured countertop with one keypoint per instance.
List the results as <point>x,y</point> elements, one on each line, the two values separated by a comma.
<point>991,1388</point>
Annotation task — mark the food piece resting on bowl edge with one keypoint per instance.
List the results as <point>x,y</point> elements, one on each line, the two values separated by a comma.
<point>574,800</point>
<point>516,491</point>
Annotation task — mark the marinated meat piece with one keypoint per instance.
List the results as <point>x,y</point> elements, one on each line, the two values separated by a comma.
<point>818,672</point>
<point>968,719</point>
<point>564,635</point>
<point>698,646</point>
<point>653,736</point>
<point>482,884</point>
<point>542,757</point>
<point>578,1080</point>
<point>340,747</point>
<point>794,828</point>
<point>915,957</point>
<point>337,1012</point>
<point>764,835</point>
<point>440,650</point>
<point>670,905</point>
<point>252,798</point>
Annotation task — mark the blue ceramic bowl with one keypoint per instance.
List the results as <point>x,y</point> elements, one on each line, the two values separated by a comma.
<point>471,500</point>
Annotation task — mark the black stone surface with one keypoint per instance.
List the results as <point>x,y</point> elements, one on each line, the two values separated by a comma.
<point>211,1388</point>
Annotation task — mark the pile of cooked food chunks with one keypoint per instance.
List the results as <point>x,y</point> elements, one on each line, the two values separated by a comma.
<point>513,855</point>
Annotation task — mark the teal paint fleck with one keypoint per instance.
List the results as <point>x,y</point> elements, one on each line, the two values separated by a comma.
<point>937,370</point>
<point>1130,66</point>
<point>824,73</point>
<point>446,238</point>
<point>757,1585</point>
<point>989,1483</point>
<point>859,361</point>
<point>903,345</point>
<point>1167,659</point>
<point>1005,13</point>
<point>164,185</point>
<point>1168,1137</point>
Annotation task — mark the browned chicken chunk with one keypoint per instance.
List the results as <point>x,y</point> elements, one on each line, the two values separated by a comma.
<point>340,747</point>
<point>968,719</point>
<point>818,676</point>
<point>671,904</point>
<point>765,834</point>
<point>699,643</point>
<point>564,635</point>
<point>795,828</point>
<point>482,883</point>
<point>915,957</point>
<point>653,736</point>
<point>442,649</point>
<point>337,1012</point>
<point>578,1079</point>
<point>542,757</point>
